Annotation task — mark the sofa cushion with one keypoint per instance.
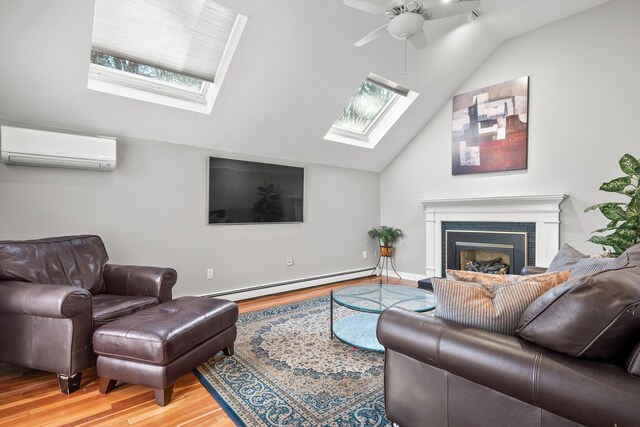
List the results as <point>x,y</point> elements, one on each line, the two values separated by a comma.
<point>549,280</point>
<point>493,307</point>
<point>74,260</point>
<point>595,316</point>
<point>565,258</point>
<point>107,308</point>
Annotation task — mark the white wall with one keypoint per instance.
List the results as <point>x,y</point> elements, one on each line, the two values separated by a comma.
<point>584,106</point>
<point>152,210</point>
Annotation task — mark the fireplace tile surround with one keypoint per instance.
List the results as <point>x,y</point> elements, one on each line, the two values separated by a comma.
<point>538,214</point>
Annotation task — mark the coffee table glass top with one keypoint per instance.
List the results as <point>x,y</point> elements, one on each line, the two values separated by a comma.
<point>377,298</point>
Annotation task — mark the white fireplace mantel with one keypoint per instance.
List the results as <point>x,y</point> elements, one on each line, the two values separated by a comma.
<point>543,210</point>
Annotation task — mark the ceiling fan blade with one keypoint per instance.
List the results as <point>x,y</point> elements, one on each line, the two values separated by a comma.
<point>366,6</point>
<point>419,40</point>
<point>445,10</point>
<point>371,36</point>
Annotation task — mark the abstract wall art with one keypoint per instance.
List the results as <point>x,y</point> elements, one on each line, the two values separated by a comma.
<point>490,128</point>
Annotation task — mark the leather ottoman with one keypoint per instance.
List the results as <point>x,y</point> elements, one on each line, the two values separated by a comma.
<point>156,346</point>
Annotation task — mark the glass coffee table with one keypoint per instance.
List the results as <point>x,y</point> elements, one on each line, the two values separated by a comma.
<point>368,301</point>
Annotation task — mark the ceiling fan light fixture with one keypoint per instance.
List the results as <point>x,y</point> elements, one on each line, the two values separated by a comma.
<point>411,6</point>
<point>405,26</point>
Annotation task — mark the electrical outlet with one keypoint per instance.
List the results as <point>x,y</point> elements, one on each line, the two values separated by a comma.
<point>364,254</point>
<point>289,261</point>
<point>209,273</point>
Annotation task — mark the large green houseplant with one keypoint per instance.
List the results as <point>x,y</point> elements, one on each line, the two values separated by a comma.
<point>387,236</point>
<point>623,229</point>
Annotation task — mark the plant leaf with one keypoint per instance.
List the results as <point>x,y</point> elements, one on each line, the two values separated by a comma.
<point>600,205</point>
<point>629,165</point>
<point>601,240</point>
<point>602,230</point>
<point>625,234</point>
<point>616,243</point>
<point>616,185</point>
<point>613,212</point>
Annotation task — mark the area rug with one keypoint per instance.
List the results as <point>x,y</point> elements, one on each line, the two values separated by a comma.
<point>287,371</point>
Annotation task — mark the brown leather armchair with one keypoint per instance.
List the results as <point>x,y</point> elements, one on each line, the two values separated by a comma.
<point>55,292</point>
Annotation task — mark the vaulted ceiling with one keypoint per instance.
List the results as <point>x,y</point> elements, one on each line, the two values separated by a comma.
<point>293,72</point>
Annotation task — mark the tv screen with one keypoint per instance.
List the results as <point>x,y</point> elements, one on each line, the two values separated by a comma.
<point>243,192</point>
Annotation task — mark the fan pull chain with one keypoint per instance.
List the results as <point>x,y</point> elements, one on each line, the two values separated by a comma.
<point>405,56</point>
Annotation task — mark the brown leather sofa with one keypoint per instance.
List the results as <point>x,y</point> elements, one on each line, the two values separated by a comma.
<point>55,292</point>
<point>568,365</point>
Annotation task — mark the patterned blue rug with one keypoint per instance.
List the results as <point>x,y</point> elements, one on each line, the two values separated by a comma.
<point>286,371</point>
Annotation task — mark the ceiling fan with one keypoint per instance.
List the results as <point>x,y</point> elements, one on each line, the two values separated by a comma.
<point>407,17</point>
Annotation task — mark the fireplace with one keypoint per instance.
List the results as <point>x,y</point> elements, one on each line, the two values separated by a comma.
<point>539,215</point>
<point>471,246</point>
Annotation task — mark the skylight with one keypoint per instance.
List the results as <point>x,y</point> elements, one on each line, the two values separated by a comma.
<point>374,108</point>
<point>366,106</point>
<point>171,52</point>
<point>163,76</point>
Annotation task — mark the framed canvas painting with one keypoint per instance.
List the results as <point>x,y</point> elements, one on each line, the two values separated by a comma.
<point>489,128</point>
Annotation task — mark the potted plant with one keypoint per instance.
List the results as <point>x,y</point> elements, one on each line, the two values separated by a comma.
<point>624,218</point>
<point>387,237</point>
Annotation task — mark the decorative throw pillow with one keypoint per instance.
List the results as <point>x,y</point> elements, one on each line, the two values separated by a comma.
<point>566,257</point>
<point>595,316</point>
<point>475,277</point>
<point>497,307</point>
<point>548,280</point>
<point>587,266</point>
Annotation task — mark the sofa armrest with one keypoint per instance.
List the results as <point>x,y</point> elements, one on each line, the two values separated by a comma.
<point>45,300</point>
<point>555,382</point>
<point>528,270</point>
<point>134,280</point>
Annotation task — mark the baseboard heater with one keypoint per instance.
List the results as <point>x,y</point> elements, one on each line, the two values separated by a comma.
<point>288,282</point>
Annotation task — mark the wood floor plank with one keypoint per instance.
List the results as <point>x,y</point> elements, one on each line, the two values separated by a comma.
<point>31,398</point>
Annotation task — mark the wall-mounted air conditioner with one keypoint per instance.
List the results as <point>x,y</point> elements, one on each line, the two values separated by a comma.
<point>21,146</point>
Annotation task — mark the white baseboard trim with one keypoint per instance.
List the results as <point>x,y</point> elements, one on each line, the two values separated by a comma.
<point>411,276</point>
<point>279,287</point>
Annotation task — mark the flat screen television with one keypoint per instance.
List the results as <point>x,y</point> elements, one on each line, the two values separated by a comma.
<point>242,192</point>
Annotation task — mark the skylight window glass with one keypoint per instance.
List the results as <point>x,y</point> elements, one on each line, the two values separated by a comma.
<point>169,52</point>
<point>164,76</point>
<point>371,112</point>
<point>366,106</point>
<point>184,36</point>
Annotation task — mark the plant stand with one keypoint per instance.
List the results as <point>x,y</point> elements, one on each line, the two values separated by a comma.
<point>385,258</point>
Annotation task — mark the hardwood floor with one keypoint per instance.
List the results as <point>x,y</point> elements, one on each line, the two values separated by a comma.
<point>32,398</point>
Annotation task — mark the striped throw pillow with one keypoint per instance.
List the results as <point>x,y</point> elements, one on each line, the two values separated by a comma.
<point>587,266</point>
<point>495,308</point>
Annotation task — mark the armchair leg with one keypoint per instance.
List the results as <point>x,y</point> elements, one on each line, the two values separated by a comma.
<point>163,396</point>
<point>69,383</point>
<point>228,350</point>
<point>106,385</point>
